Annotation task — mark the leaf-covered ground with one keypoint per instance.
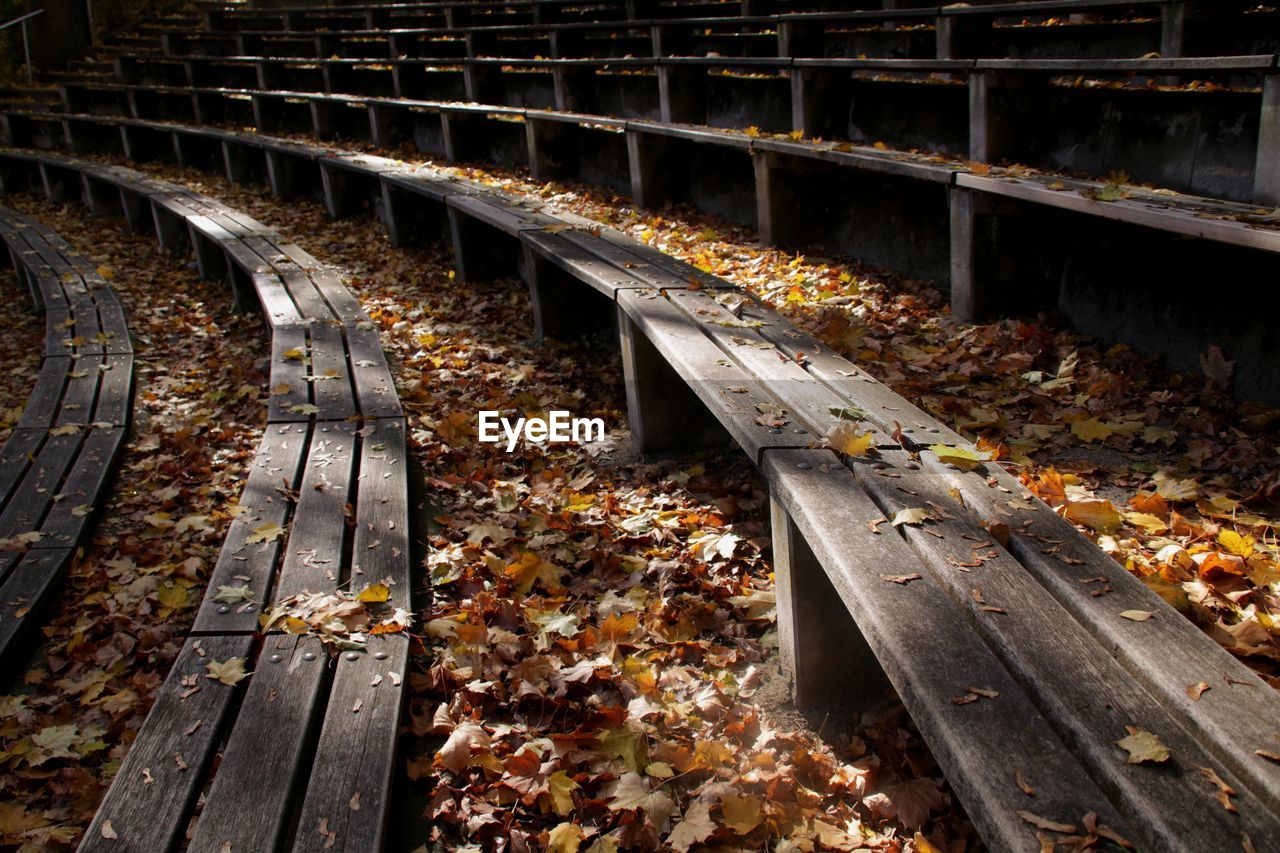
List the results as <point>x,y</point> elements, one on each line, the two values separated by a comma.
<point>20,349</point>
<point>123,613</point>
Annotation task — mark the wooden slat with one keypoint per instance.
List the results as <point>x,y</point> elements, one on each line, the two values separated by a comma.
<point>150,800</point>
<point>85,487</point>
<point>349,789</point>
<point>978,744</point>
<point>266,501</point>
<point>1167,653</point>
<point>374,384</point>
<point>316,549</point>
<point>1088,697</point>
<point>332,390</point>
<point>247,807</point>
<point>33,497</point>
<point>45,400</point>
<point>289,387</point>
<point>380,549</point>
<point>16,456</point>
<point>26,586</point>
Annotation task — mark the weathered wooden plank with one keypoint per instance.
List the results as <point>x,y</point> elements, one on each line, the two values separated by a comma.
<point>267,503</point>
<point>151,799</point>
<point>812,409</point>
<point>16,456</point>
<point>31,500</point>
<point>652,328</point>
<point>45,400</point>
<point>380,549</point>
<point>70,515</point>
<point>332,389</point>
<point>1085,694</point>
<point>977,743</point>
<point>1166,654</point>
<point>374,384</point>
<point>247,806</point>
<point>349,790</point>
<point>28,584</point>
<point>290,390</point>
<point>317,544</point>
<point>114,402</point>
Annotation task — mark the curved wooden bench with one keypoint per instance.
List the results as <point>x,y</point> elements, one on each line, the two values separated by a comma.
<point>59,459</point>
<point>333,453</point>
<point>1043,677</point>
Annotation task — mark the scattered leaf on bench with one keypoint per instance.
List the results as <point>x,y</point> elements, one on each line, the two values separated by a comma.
<point>902,579</point>
<point>1197,690</point>
<point>846,438</point>
<point>1143,747</point>
<point>1137,615</point>
<point>294,354</point>
<point>229,672</point>
<point>1022,782</point>
<point>911,515</point>
<point>1225,791</point>
<point>1096,514</point>
<point>108,832</point>
<point>1268,754</point>
<point>233,594</point>
<point>374,592</point>
<point>265,533</point>
<point>964,458</point>
<point>1046,824</point>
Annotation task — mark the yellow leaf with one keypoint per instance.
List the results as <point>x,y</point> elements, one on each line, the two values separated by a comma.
<point>172,596</point>
<point>561,789</point>
<point>1096,514</point>
<point>964,458</point>
<point>295,354</point>
<point>374,592</point>
<point>753,131</point>
<point>1143,746</point>
<point>1146,521</point>
<point>846,438</point>
<point>565,838</point>
<point>281,389</point>
<point>229,672</point>
<point>1241,546</point>
<point>265,533</point>
<point>1091,430</point>
<point>68,429</point>
<point>106,273</point>
<point>741,814</point>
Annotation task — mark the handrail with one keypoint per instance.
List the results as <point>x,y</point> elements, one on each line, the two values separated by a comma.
<point>26,41</point>
<point>21,18</point>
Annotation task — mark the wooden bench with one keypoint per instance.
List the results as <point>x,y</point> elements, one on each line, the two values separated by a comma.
<point>1042,677</point>
<point>58,461</point>
<point>335,444</point>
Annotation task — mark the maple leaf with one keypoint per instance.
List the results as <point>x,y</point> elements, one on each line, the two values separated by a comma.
<point>294,354</point>
<point>741,813</point>
<point>1143,746</point>
<point>696,826</point>
<point>1095,513</point>
<point>265,533</point>
<point>560,787</point>
<point>229,672</point>
<point>910,802</point>
<point>964,458</point>
<point>911,515</point>
<point>846,438</point>
<point>1091,430</point>
<point>564,838</point>
<point>233,594</point>
<point>374,593</point>
<point>53,742</point>
<point>197,523</point>
<point>632,793</point>
<point>455,755</point>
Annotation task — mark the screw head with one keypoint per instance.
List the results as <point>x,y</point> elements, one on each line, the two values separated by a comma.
<point>224,609</point>
<point>380,656</point>
<point>775,431</point>
<point>248,608</point>
<point>276,658</point>
<point>309,656</point>
<point>800,431</point>
<point>804,466</point>
<point>352,656</point>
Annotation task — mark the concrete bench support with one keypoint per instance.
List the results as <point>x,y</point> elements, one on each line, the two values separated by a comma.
<point>245,165</point>
<point>665,416</point>
<point>821,651</point>
<point>781,201</point>
<point>682,94</point>
<point>553,148</point>
<point>562,307</point>
<point>1266,174</point>
<point>650,168</point>
<point>574,88</point>
<point>820,100</point>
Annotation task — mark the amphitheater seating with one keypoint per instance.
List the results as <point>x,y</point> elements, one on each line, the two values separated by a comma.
<point>725,347</point>
<point>335,438</point>
<point>58,461</point>
<point>1047,674</point>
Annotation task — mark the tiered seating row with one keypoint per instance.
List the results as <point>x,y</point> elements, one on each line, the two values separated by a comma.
<point>1110,28</point>
<point>1069,671</point>
<point>960,108</point>
<point>325,507</point>
<point>56,465</point>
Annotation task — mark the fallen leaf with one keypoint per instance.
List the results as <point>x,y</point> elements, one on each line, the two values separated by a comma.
<point>1143,747</point>
<point>229,672</point>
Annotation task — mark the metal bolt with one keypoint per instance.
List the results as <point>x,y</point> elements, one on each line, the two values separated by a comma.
<point>352,656</point>
<point>224,609</point>
<point>775,431</point>
<point>801,431</point>
<point>276,658</point>
<point>804,466</point>
<point>380,656</point>
<point>309,656</point>
<point>248,608</point>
